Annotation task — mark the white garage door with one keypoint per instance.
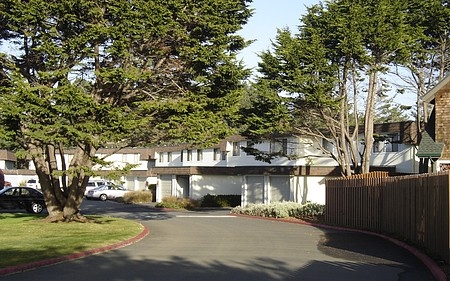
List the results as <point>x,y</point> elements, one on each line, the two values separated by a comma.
<point>255,189</point>
<point>280,189</point>
<point>166,185</point>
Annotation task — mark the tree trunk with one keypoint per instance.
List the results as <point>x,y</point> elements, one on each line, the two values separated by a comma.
<point>62,205</point>
<point>368,120</point>
<point>343,117</point>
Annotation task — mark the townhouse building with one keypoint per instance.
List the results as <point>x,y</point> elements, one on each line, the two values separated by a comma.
<point>395,147</point>
<point>227,169</point>
<point>187,171</point>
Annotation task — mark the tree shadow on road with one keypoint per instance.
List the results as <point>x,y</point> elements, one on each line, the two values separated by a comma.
<point>114,267</point>
<point>354,246</point>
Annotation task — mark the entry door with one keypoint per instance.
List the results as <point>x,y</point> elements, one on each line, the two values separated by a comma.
<point>183,184</point>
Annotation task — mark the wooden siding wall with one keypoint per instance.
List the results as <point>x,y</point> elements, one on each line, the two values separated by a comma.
<point>442,119</point>
<point>414,208</point>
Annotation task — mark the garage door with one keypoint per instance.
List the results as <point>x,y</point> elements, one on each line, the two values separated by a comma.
<point>166,185</point>
<point>280,189</point>
<point>255,189</point>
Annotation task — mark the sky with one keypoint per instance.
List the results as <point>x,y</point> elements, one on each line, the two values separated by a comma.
<point>268,15</point>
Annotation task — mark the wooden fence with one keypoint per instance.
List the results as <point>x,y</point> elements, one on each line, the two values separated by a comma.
<point>414,208</point>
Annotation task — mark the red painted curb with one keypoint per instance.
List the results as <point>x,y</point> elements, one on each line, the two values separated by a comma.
<point>435,269</point>
<point>32,265</point>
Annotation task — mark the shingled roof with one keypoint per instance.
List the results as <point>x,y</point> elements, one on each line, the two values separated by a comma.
<point>428,148</point>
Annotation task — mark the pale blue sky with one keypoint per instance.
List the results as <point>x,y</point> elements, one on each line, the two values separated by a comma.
<point>267,17</point>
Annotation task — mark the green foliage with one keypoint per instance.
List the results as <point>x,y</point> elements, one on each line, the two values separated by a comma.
<point>264,111</point>
<point>172,202</point>
<point>281,210</point>
<point>135,197</point>
<point>87,75</point>
<point>388,111</point>
<point>220,200</point>
<point>299,66</point>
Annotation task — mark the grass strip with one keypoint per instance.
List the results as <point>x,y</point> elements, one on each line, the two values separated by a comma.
<point>26,238</point>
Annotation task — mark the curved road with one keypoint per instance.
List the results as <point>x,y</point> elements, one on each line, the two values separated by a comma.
<point>211,245</point>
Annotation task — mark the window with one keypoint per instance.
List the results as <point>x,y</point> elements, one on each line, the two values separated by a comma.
<point>199,155</point>
<point>236,149</point>
<point>216,156</point>
<point>12,192</point>
<point>389,143</point>
<point>279,146</point>
<point>181,156</point>
<point>169,156</point>
<point>25,192</point>
<point>224,155</point>
<point>161,157</point>
<point>130,158</point>
<point>284,144</point>
<point>91,184</point>
<point>189,155</point>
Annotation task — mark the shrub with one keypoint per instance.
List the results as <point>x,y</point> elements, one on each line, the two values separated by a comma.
<point>220,200</point>
<point>173,202</point>
<point>281,210</point>
<point>137,197</point>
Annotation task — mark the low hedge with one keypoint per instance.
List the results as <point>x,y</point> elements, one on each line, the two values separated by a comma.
<point>281,210</point>
<point>206,201</point>
<point>134,197</point>
<point>173,202</point>
<point>220,200</point>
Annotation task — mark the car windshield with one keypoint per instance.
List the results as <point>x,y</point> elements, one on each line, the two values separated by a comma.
<point>4,190</point>
<point>101,187</point>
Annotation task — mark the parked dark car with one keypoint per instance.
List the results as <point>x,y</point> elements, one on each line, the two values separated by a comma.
<point>25,198</point>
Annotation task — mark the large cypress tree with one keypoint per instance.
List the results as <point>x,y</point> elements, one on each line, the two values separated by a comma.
<point>87,74</point>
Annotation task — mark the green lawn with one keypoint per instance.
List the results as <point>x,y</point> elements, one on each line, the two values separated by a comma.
<point>26,238</point>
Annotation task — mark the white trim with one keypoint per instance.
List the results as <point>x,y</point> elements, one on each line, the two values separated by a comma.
<point>428,97</point>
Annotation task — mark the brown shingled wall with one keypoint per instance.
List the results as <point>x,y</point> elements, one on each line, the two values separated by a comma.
<point>442,104</point>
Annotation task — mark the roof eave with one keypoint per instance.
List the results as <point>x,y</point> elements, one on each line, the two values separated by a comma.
<point>428,97</point>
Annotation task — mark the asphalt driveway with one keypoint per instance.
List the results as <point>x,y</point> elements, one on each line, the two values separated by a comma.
<point>211,245</point>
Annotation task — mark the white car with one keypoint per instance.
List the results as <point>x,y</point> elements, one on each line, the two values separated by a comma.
<point>33,183</point>
<point>108,191</point>
<point>94,184</point>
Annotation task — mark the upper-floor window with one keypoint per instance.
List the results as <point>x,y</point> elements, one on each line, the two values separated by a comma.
<point>182,156</point>
<point>388,143</point>
<point>169,156</point>
<point>161,157</point>
<point>199,155</point>
<point>279,146</point>
<point>189,155</point>
<point>328,146</point>
<point>130,157</point>
<point>236,148</point>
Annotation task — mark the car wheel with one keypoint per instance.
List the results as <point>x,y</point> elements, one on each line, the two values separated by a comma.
<point>36,208</point>
<point>103,197</point>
